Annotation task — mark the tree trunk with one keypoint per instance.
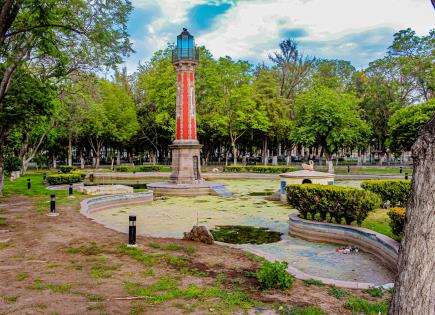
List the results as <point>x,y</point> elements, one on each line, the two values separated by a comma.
<point>1,168</point>
<point>69,150</point>
<point>415,285</point>
<point>329,163</point>
<point>118,157</point>
<point>97,158</point>
<point>82,160</point>
<point>54,162</point>
<point>265,155</point>
<point>234,153</point>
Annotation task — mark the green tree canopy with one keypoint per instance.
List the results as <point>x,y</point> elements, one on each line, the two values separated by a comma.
<point>405,123</point>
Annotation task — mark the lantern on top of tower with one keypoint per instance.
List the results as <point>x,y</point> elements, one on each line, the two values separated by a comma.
<point>185,49</point>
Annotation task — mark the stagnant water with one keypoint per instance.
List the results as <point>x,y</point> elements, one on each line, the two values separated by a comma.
<point>242,234</point>
<point>171,216</point>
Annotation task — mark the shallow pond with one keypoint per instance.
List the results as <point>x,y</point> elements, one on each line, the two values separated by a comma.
<point>171,216</point>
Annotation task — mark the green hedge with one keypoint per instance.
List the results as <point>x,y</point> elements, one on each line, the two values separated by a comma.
<point>142,168</point>
<point>350,204</point>
<point>397,220</point>
<point>66,169</point>
<point>395,191</point>
<point>258,169</point>
<point>57,179</point>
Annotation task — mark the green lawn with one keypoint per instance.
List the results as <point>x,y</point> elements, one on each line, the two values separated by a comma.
<point>378,221</point>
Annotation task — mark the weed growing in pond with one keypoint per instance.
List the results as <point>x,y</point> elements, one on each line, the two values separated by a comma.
<point>337,292</point>
<point>274,275</point>
<point>315,282</point>
<point>374,292</point>
<point>358,306</point>
<point>310,310</point>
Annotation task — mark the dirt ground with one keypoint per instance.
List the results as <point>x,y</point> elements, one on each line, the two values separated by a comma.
<point>50,266</point>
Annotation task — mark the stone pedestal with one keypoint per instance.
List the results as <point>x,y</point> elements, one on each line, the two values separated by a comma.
<point>186,168</point>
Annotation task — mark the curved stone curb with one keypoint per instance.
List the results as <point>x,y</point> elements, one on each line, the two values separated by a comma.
<point>379,245</point>
<point>64,186</point>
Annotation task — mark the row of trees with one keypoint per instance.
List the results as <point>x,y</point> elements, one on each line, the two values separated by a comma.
<point>55,106</point>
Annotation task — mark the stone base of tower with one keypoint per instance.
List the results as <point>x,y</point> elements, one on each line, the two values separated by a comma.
<point>186,163</point>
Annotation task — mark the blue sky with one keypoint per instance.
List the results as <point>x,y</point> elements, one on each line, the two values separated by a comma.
<point>355,30</point>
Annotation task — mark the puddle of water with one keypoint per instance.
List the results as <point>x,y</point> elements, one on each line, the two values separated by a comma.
<point>171,216</point>
<point>240,234</point>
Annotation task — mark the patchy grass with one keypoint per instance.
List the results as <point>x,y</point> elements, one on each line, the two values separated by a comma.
<point>337,292</point>
<point>21,276</point>
<point>90,249</point>
<point>193,272</point>
<point>136,310</point>
<point>2,221</point>
<point>137,254</point>
<point>176,261</point>
<point>174,247</point>
<point>149,272</point>
<point>360,306</point>
<point>39,285</point>
<point>310,310</point>
<point>167,289</point>
<point>10,298</point>
<point>315,282</point>
<point>102,271</point>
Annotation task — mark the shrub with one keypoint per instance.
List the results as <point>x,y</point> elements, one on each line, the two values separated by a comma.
<point>352,204</point>
<point>66,169</point>
<point>150,168</point>
<point>337,292</point>
<point>274,275</point>
<point>12,164</point>
<point>394,191</point>
<point>57,179</point>
<point>122,169</point>
<point>397,220</point>
<point>82,174</point>
<point>258,169</point>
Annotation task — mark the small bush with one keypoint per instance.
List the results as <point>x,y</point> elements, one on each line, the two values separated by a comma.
<point>397,220</point>
<point>350,204</point>
<point>66,169</point>
<point>374,292</point>
<point>394,191</point>
<point>274,275</point>
<point>337,292</point>
<point>57,179</point>
<point>258,169</point>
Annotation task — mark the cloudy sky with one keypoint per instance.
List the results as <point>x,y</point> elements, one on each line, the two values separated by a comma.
<point>355,30</point>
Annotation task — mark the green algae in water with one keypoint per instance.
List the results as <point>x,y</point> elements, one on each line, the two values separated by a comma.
<point>240,234</point>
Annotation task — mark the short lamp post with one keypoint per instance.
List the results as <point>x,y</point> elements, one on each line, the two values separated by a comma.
<point>348,168</point>
<point>70,190</point>
<point>53,212</point>
<point>44,178</point>
<point>406,175</point>
<point>401,170</point>
<point>29,184</point>
<point>132,230</point>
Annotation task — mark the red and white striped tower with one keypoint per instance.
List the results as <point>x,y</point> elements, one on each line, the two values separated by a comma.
<point>185,148</point>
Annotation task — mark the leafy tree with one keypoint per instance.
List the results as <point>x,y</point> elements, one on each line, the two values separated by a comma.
<point>405,123</point>
<point>326,118</point>
<point>54,39</point>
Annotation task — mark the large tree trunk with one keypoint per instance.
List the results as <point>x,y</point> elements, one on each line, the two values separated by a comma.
<point>233,145</point>
<point>415,285</point>
<point>1,167</point>
<point>265,155</point>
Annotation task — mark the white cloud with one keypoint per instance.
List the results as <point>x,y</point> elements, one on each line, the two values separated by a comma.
<point>251,29</point>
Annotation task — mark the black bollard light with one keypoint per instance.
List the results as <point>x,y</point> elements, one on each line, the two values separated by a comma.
<point>53,212</point>
<point>406,175</point>
<point>132,230</point>
<point>44,178</point>
<point>70,190</point>
<point>401,170</point>
<point>348,168</point>
<point>29,185</point>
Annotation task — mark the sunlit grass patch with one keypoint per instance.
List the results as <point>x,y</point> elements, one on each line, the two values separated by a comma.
<point>358,306</point>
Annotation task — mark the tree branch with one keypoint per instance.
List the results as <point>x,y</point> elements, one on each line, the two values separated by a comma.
<point>44,26</point>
